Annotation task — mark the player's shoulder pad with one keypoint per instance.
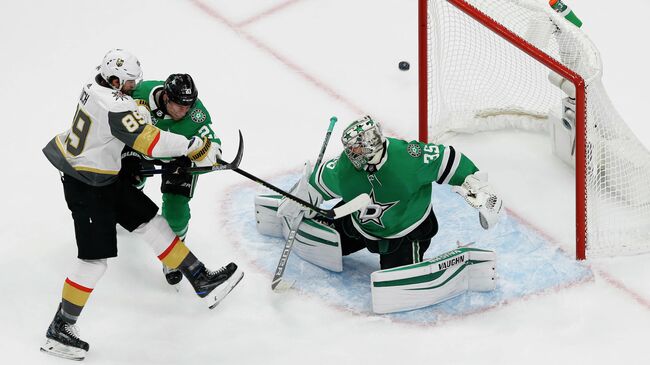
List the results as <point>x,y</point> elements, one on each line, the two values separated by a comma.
<point>114,100</point>
<point>145,88</point>
<point>413,148</point>
<point>198,113</point>
<point>150,84</point>
<point>121,102</point>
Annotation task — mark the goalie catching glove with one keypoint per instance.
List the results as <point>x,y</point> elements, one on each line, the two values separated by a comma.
<point>303,190</point>
<point>203,152</point>
<point>477,192</point>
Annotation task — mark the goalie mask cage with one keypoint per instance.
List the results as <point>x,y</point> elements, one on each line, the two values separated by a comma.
<point>485,65</point>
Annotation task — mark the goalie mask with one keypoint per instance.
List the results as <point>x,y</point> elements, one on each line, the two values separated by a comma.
<point>121,64</point>
<point>364,142</point>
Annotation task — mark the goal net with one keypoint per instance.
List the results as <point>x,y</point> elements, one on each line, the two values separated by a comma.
<point>498,64</point>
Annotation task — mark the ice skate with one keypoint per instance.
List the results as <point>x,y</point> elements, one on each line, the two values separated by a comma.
<point>63,340</point>
<point>173,276</point>
<point>214,286</point>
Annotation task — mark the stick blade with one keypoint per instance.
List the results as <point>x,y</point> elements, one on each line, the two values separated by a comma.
<point>279,285</point>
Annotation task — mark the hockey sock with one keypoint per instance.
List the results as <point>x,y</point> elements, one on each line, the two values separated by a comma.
<point>169,248</point>
<point>176,210</point>
<point>78,286</point>
<point>177,255</point>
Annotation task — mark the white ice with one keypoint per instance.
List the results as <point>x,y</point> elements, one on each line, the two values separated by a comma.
<point>278,70</point>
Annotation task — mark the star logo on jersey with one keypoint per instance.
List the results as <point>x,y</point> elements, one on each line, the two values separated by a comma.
<point>198,116</point>
<point>375,211</point>
<point>414,149</point>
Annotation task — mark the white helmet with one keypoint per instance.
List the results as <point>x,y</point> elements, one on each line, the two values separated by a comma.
<point>121,64</point>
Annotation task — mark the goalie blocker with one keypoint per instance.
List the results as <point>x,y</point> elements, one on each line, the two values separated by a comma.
<point>393,290</point>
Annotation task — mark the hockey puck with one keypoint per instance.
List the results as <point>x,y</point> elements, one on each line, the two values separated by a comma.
<point>404,66</point>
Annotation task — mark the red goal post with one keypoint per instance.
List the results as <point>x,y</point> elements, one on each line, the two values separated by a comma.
<point>429,28</point>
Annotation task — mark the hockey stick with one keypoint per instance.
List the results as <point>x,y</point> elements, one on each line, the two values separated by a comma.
<point>223,165</point>
<point>277,282</point>
<point>348,208</point>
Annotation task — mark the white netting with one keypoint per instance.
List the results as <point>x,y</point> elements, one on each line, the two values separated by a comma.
<point>478,81</point>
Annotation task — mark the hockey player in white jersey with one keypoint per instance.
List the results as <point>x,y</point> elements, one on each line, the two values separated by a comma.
<point>88,157</point>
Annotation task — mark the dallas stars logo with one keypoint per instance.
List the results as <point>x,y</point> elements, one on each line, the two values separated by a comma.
<point>414,149</point>
<point>198,116</point>
<point>375,211</point>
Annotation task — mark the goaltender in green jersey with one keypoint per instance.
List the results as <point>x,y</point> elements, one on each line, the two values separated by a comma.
<point>175,107</point>
<point>399,222</point>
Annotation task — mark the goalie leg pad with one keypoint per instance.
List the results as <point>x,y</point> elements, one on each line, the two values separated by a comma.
<point>433,281</point>
<point>267,221</point>
<point>482,271</point>
<point>317,243</point>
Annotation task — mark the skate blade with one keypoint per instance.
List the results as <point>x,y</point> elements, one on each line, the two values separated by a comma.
<point>282,285</point>
<point>176,287</point>
<point>56,348</point>
<point>220,292</point>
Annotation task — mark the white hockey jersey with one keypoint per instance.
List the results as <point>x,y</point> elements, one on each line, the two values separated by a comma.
<point>104,122</point>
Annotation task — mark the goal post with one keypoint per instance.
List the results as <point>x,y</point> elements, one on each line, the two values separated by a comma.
<point>469,81</point>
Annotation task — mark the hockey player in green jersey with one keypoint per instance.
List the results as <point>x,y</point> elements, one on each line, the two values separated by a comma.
<point>175,107</point>
<point>399,222</point>
<point>397,174</point>
<point>88,157</point>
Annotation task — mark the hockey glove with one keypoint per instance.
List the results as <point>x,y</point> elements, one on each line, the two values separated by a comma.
<point>143,111</point>
<point>203,152</point>
<point>477,192</point>
<point>131,166</point>
<point>303,190</point>
<point>177,174</point>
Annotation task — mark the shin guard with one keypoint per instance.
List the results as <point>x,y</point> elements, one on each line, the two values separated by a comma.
<point>78,286</point>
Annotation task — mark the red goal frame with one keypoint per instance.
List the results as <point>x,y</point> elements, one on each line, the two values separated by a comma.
<point>543,58</point>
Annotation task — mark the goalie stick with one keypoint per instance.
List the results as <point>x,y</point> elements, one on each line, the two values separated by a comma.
<point>353,205</point>
<point>359,202</point>
<point>223,165</point>
<point>277,282</point>
<point>346,209</point>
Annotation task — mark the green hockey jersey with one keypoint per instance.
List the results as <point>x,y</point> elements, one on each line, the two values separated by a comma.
<point>196,122</point>
<point>400,188</point>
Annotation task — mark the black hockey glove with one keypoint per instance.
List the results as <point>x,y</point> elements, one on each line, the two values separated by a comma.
<point>177,180</point>
<point>131,167</point>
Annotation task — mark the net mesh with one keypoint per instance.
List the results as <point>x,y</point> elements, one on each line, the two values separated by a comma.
<point>479,81</point>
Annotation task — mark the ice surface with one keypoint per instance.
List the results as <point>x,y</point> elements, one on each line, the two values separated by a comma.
<point>278,70</point>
